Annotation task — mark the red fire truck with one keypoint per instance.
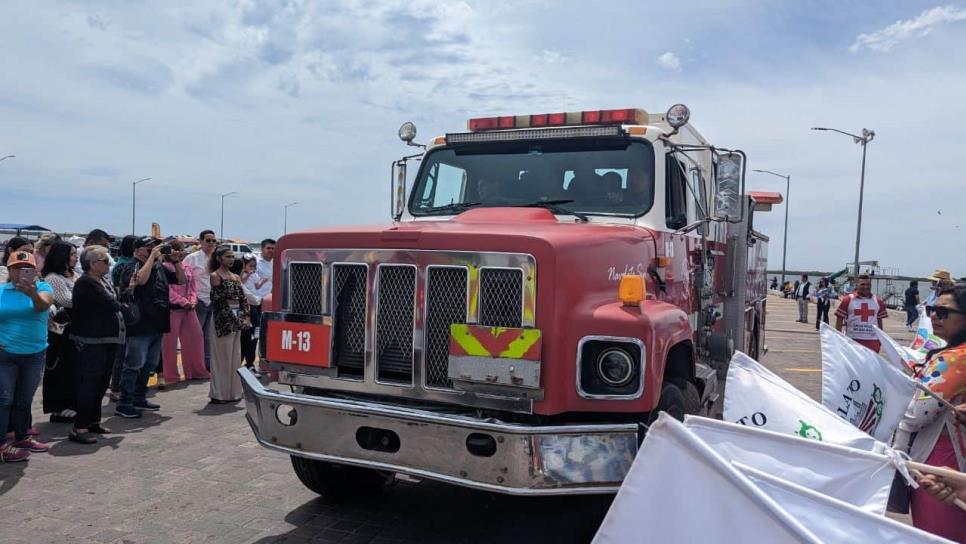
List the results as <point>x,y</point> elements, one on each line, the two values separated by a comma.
<point>548,284</point>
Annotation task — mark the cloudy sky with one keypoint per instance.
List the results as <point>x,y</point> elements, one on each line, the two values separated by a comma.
<point>287,101</point>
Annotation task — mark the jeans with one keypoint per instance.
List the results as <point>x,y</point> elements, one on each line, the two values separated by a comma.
<point>94,365</point>
<point>249,343</point>
<point>821,313</point>
<point>140,361</point>
<point>912,314</point>
<point>19,378</point>
<point>204,317</point>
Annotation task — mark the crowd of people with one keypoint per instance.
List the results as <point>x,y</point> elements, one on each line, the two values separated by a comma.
<point>81,323</point>
<point>929,432</point>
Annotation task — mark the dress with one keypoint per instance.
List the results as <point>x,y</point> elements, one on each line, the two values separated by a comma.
<point>59,389</point>
<point>230,309</point>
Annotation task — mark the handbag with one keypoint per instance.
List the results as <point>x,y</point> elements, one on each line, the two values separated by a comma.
<point>129,308</point>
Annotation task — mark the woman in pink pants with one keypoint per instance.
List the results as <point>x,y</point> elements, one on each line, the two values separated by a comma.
<point>184,326</point>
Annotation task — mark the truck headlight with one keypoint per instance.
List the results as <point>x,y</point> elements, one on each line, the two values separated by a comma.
<point>610,367</point>
<point>615,367</point>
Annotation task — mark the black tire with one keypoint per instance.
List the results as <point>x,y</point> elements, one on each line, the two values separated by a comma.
<point>678,398</point>
<point>336,482</point>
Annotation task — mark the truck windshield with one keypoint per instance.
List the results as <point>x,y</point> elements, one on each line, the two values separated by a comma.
<point>603,177</point>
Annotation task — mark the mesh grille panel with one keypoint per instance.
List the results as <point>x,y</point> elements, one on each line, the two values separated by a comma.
<point>501,297</point>
<point>305,289</point>
<point>394,322</point>
<point>349,309</point>
<point>445,305</point>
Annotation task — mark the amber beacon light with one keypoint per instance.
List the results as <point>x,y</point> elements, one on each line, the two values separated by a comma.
<point>631,290</point>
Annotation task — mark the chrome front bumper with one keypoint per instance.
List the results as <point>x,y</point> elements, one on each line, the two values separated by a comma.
<point>528,460</point>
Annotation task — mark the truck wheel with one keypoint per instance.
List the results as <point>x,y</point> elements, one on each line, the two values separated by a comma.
<point>335,482</point>
<point>678,398</point>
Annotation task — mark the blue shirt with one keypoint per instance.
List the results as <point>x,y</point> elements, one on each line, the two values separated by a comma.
<point>23,330</point>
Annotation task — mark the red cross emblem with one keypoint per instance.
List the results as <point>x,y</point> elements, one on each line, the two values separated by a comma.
<point>864,312</point>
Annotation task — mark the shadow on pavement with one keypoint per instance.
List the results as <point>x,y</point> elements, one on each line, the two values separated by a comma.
<point>434,512</point>
<point>10,474</point>
<point>212,409</point>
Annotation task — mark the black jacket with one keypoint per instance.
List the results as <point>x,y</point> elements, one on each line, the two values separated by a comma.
<point>96,316</point>
<point>805,291</point>
<point>152,298</point>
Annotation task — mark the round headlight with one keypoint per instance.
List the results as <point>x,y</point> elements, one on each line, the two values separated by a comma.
<point>677,115</point>
<point>407,132</point>
<point>615,367</point>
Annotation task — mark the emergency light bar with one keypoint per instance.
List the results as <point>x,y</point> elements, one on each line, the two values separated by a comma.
<point>457,138</point>
<point>628,116</point>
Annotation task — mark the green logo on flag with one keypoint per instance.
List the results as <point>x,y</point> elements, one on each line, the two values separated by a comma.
<point>808,430</point>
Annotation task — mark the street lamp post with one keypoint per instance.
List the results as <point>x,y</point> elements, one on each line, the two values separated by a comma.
<point>285,224</point>
<point>788,187</point>
<point>134,201</point>
<point>867,136</point>
<point>221,233</point>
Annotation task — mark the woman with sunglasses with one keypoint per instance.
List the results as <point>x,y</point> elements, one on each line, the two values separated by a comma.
<point>99,333</point>
<point>935,434</point>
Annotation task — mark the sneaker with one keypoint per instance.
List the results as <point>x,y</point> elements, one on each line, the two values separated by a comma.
<point>10,454</point>
<point>82,438</point>
<point>146,405</point>
<point>32,445</point>
<point>127,411</point>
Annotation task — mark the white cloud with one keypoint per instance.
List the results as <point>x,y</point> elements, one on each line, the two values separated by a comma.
<point>670,61</point>
<point>908,29</point>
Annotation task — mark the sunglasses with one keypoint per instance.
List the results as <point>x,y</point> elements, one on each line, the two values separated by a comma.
<point>942,312</point>
<point>210,241</point>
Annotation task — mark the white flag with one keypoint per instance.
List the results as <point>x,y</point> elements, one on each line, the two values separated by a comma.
<point>832,520</point>
<point>679,490</point>
<point>756,397</point>
<point>861,387</point>
<point>858,477</point>
<point>925,339</point>
<point>897,354</point>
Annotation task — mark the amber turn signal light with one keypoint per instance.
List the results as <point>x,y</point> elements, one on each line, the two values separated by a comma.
<point>631,290</point>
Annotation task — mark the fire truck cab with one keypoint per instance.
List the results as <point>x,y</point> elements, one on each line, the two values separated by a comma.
<point>548,284</point>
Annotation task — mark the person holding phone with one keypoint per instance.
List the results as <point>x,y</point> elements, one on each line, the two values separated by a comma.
<point>24,302</point>
<point>231,315</point>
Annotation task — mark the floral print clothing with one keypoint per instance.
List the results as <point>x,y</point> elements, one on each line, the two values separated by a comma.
<point>229,306</point>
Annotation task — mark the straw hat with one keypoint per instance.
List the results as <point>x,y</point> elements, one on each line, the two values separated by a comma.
<point>941,275</point>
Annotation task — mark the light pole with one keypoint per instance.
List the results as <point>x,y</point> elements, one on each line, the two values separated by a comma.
<point>221,233</point>
<point>7,157</point>
<point>867,136</point>
<point>788,186</point>
<point>134,200</point>
<point>286,207</point>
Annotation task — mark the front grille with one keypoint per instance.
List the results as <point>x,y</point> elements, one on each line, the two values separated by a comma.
<point>349,289</point>
<point>501,297</point>
<point>445,305</point>
<point>306,288</point>
<point>394,322</point>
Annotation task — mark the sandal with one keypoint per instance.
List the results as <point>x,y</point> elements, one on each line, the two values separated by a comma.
<point>82,438</point>
<point>97,428</point>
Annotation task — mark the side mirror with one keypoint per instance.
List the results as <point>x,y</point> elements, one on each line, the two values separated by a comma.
<point>397,192</point>
<point>729,187</point>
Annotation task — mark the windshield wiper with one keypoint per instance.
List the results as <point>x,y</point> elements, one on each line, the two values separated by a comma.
<point>457,207</point>
<point>555,207</point>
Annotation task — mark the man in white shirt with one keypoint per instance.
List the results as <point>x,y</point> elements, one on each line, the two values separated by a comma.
<point>801,294</point>
<point>198,262</point>
<point>264,263</point>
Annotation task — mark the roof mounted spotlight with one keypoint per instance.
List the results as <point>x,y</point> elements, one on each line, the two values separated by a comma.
<point>407,133</point>
<point>677,116</point>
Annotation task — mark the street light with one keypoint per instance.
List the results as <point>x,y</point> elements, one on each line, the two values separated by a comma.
<point>7,157</point>
<point>134,200</point>
<point>788,186</point>
<point>867,136</point>
<point>286,207</point>
<point>221,234</point>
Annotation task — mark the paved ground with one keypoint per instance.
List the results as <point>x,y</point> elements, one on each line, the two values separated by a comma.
<point>192,473</point>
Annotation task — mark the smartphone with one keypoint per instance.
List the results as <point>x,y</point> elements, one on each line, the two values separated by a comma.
<point>28,274</point>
